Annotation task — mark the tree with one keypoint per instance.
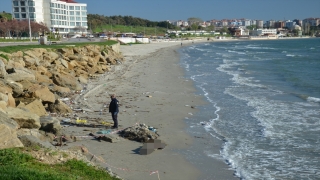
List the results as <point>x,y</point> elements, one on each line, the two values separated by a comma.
<point>210,28</point>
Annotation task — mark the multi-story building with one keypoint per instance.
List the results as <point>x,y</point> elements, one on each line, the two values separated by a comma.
<point>64,16</point>
<point>259,23</point>
<point>279,24</point>
<point>270,24</point>
<point>290,24</point>
<point>261,32</point>
<point>246,22</point>
<point>311,21</point>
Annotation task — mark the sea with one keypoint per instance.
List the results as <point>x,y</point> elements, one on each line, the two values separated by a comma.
<point>263,103</point>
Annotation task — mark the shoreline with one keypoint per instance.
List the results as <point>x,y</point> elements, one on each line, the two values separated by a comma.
<point>149,70</point>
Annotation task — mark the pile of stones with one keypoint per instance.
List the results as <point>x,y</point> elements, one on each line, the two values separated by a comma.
<point>139,132</point>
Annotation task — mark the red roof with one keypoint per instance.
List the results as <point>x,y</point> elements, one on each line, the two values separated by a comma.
<point>68,1</point>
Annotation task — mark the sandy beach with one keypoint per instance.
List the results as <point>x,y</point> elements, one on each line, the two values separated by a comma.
<point>151,89</point>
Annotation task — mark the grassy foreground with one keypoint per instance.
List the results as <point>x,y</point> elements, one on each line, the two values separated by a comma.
<point>14,164</point>
<point>15,48</point>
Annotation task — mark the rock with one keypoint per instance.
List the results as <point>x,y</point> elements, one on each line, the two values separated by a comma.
<point>139,132</point>
<point>83,80</point>
<point>43,93</point>
<point>8,138</point>
<point>24,118</point>
<point>3,106</point>
<point>66,80</point>
<point>26,84</point>
<point>31,61</point>
<point>50,124</point>
<point>65,51</point>
<point>3,72</point>
<point>21,74</point>
<point>36,107</point>
<point>59,107</point>
<point>11,101</point>
<point>42,78</point>
<point>110,138</point>
<point>32,141</point>
<point>36,133</point>
<point>4,88</point>
<point>8,132</point>
<point>4,119</point>
<point>64,63</point>
<point>4,97</point>
<point>59,90</point>
<point>17,88</point>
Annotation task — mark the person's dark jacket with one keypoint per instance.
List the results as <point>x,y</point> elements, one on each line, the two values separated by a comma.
<point>113,107</point>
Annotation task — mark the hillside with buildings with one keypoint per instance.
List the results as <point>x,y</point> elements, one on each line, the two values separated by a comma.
<point>67,17</point>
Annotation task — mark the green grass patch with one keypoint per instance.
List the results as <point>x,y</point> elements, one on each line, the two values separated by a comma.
<point>148,31</point>
<point>4,56</point>
<point>11,49</point>
<point>14,164</point>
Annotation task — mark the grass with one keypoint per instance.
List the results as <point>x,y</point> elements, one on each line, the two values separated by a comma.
<point>148,31</point>
<point>4,56</point>
<point>11,49</point>
<point>14,164</point>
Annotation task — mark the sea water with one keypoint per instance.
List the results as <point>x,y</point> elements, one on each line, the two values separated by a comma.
<point>264,102</point>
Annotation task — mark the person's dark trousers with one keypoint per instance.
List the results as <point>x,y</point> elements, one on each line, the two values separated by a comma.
<point>115,119</point>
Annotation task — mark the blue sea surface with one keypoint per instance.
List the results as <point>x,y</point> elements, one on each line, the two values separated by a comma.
<point>264,102</point>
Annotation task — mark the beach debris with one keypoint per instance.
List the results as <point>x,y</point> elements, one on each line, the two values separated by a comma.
<point>149,96</point>
<point>151,145</point>
<point>190,114</point>
<point>140,133</point>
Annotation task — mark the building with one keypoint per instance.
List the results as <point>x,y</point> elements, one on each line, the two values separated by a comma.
<point>259,23</point>
<point>262,32</point>
<point>290,24</point>
<point>64,16</point>
<point>279,24</point>
<point>270,24</point>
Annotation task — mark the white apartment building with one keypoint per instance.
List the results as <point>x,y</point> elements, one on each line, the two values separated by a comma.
<point>64,16</point>
<point>260,32</point>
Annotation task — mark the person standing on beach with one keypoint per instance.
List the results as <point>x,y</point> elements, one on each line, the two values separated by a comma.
<point>114,110</point>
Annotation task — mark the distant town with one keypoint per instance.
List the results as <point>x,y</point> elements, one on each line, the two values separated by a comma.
<point>68,18</point>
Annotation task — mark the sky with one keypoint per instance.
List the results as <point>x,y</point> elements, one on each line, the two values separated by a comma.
<point>161,10</point>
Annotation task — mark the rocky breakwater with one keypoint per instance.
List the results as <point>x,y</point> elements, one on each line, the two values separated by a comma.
<point>33,82</point>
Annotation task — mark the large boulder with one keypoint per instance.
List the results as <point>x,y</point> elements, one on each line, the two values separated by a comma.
<point>24,118</point>
<point>36,107</point>
<point>50,124</point>
<point>21,74</point>
<point>17,88</point>
<point>4,97</point>
<point>42,92</point>
<point>66,51</point>
<point>11,101</point>
<point>8,132</point>
<point>31,61</point>
<point>3,72</point>
<point>59,89</point>
<point>32,141</point>
<point>3,106</point>
<point>66,80</point>
<point>8,138</point>
<point>59,107</point>
<point>4,88</point>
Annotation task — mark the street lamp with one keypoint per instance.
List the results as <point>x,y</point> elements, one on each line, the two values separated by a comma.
<point>29,21</point>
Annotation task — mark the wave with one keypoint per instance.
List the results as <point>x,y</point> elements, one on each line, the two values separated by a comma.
<point>291,55</point>
<point>313,99</point>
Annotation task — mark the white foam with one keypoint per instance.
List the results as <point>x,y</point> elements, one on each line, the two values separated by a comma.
<point>313,99</point>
